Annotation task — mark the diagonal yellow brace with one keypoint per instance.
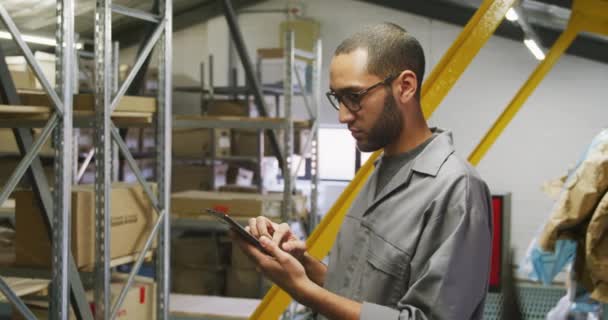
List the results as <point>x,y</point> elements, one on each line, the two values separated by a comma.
<point>453,63</point>
<point>595,14</point>
<point>472,38</point>
<point>562,43</point>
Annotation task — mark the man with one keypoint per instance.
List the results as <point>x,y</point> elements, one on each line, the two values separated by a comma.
<point>416,242</point>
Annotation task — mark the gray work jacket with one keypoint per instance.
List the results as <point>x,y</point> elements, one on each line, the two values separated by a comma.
<point>421,248</point>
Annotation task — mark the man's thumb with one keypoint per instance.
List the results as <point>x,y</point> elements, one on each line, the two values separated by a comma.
<point>271,247</point>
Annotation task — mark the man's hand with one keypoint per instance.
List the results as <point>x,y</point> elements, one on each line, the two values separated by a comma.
<point>289,274</point>
<point>280,234</point>
<point>279,266</point>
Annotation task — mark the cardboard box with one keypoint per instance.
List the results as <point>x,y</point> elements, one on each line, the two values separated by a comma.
<point>191,203</point>
<point>145,305</point>
<point>139,303</point>
<point>199,281</point>
<point>86,102</point>
<point>194,143</point>
<point>131,214</point>
<point>246,142</point>
<point>9,164</point>
<point>236,108</point>
<point>8,144</point>
<point>191,177</point>
<point>239,260</point>
<point>246,283</point>
<point>7,243</point>
<point>23,76</point>
<point>306,33</point>
<point>23,79</point>
<point>239,189</point>
<point>197,252</point>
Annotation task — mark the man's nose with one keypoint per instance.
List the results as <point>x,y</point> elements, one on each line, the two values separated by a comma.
<point>345,115</point>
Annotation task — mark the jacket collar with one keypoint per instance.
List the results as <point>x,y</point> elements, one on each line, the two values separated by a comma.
<point>428,162</point>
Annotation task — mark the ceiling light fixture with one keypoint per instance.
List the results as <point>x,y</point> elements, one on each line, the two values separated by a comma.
<point>535,49</point>
<point>36,40</point>
<point>512,15</point>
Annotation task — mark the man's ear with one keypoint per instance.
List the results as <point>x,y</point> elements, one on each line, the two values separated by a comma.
<point>407,86</point>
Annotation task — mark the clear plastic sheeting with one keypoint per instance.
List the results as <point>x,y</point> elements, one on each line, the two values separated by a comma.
<point>544,266</point>
<point>540,265</point>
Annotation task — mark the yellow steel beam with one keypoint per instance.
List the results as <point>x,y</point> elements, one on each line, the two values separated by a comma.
<point>562,43</point>
<point>438,83</point>
<point>453,63</point>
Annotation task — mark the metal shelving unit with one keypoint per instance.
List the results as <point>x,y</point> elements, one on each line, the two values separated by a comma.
<point>285,123</point>
<point>59,120</point>
<point>107,132</point>
<point>264,123</point>
<point>56,204</point>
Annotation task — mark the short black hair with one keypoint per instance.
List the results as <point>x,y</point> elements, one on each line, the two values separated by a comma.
<point>390,50</point>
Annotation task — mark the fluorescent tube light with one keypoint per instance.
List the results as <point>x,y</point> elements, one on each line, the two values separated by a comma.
<point>511,15</point>
<point>36,39</point>
<point>535,49</point>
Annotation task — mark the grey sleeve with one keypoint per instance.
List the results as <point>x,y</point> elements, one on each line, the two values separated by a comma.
<point>450,268</point>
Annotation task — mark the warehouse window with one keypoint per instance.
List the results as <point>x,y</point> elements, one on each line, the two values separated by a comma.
<point>336,154</point>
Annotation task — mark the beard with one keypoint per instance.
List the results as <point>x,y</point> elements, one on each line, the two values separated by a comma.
<point>386,129</point>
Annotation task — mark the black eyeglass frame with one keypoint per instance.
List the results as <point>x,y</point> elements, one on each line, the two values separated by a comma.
<point>355,97</point>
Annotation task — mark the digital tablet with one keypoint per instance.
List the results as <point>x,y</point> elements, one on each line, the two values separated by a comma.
<point>237,228</point>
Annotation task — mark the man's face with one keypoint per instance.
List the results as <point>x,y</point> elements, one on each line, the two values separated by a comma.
<point>379,121</point>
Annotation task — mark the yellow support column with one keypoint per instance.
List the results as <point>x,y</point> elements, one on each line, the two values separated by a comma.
<point>587,16</point>
<point>453,63</point>
<point>562,43</point>
<point>472,38</point>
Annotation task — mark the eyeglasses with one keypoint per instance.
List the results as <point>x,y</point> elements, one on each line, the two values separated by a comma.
<point>352,100</point>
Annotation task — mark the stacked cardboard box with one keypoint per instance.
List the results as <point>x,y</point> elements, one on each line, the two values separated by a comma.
<point>8,144</point>
<point>22,74</point>
<point>185,176</point>
<point>191,143</point>
<point>198,265</point>
<point>139,303</point>
<point>245,142</point>
<point>132,217</point>
<point>190,204</point>
<point>242,278</point>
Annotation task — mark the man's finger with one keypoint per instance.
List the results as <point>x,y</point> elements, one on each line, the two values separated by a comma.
<point>294,247</point>
<point>273,249</point>
<point>253,228</point>
<point>281,233</point>
<point>264,226</point>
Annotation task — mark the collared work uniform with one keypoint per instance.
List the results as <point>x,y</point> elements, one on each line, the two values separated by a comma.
<point>420,247</point>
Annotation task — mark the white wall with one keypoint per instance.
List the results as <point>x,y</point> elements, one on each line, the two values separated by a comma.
<point>545,138</point>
